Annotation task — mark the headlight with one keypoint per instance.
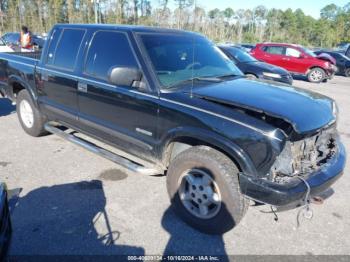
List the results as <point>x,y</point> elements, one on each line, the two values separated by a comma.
<point>272,75</point>
<point>327,64</point>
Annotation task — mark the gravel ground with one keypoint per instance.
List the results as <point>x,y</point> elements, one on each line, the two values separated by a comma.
<point>74,202</point>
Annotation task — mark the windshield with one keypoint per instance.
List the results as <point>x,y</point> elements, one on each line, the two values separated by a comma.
<point>177,58</point>
<point>343,46</point>
<point>240,55</point>
<point>309,52</point>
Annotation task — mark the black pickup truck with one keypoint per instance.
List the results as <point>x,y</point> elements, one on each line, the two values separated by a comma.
<point>173,103</point>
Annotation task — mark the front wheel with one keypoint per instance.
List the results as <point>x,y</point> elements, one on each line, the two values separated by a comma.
<point>204,190</point>
<point>316,75</point>
<point>32,121</point>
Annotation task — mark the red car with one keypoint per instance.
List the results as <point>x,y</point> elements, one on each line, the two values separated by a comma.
<point>297,60</point>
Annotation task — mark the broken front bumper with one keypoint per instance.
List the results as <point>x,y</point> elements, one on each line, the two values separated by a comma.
<point>276,194</point>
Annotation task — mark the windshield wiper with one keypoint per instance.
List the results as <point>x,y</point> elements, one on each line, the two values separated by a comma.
<point>228,75</point>
<point>197,78</point>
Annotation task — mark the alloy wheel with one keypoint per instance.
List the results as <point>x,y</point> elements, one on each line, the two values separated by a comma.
<point>199,193</point>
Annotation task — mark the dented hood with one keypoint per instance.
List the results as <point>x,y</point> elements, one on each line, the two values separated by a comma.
<point>327,57</point>
<point>305,111</point>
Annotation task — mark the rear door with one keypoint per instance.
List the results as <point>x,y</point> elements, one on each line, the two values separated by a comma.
<point>124,116</point>
<point>56,81</point>
<point>274,55</point>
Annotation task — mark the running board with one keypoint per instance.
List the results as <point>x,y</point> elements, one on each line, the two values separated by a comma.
<point>120,160</point>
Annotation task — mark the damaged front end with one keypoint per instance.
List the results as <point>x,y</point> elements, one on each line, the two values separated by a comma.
<point>305,156</point>
<point>308,166</point>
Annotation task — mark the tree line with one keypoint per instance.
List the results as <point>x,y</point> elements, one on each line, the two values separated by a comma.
<point>229,25</point>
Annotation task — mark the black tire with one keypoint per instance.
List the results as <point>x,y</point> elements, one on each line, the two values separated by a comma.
<point>37,128</point>
<point>347,72</point>
<point>225,174</point>
<point>321,75</point>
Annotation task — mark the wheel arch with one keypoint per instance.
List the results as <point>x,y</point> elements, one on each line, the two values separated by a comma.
<point>314,66</point>
<point>177,144</point>
<point>15,85</point>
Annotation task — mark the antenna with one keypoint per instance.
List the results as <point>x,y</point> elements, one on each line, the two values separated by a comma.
<point>192,73</point>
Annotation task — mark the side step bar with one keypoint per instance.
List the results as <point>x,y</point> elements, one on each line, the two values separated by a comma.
<point>122,161</point>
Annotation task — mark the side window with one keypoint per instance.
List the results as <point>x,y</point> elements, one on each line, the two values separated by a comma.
<point>108,49</point>
<point>55,36</point>
<point>275,50</point>
<point>67,48</point>
<point>292,52</point>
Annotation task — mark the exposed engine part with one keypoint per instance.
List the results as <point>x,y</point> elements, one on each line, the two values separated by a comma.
<point>304,156</point>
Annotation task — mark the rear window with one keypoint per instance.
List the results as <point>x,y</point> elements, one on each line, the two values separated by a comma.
<point>64,48</point>
<point>275,50</point>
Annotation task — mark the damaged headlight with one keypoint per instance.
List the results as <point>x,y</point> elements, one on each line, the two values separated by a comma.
<point>304,156</point>
<point>283,163</point>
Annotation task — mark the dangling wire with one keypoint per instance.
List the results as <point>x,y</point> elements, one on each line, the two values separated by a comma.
<point>274,212</point>
<point>305,209</point>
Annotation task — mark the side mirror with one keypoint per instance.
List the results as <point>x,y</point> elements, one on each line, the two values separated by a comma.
<point>124,76</point>
<point>302,56</point>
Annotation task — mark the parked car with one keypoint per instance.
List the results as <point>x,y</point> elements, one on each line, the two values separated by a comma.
<point>5,223</point>
<point>343,46</point>
<point>254,68</point>
<point>13,40</point>
<point>347,52</point>
<point>342,61</point>
<point>296,59</point>
<point>246,47</point>
<point>174,102</point>
<point>4,47</point>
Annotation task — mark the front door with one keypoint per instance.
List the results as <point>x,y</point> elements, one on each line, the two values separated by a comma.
<point>121,115</point>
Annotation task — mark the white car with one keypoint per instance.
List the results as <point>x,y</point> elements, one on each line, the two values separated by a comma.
<point>4,48</point>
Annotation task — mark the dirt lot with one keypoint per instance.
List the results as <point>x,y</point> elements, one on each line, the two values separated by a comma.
<point>74,202</point>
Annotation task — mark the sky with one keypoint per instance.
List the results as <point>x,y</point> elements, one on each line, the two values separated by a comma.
<point>310,7</point>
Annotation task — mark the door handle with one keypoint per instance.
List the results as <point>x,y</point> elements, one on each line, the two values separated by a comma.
<point>82,87</point>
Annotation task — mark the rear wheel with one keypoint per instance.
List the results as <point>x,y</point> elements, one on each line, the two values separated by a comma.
<point>204,189</point>
<point>32,121</point>
<point>316,75</point>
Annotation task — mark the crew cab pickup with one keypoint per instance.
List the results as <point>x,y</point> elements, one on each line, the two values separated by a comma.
<point>170,102</point>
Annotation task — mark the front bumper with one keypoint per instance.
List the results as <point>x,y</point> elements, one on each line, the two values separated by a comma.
<point>295,190</point>
<point>331,72</point>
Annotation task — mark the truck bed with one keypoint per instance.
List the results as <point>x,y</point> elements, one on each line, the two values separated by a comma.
<point>34,55</point>
<point>19,65</point>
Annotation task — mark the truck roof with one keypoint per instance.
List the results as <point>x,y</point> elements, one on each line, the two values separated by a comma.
<point>131,28</point>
